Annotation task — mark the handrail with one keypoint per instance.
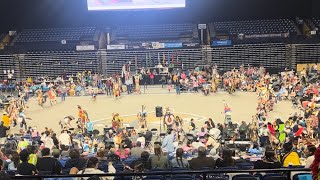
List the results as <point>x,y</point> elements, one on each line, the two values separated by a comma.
<point>172,172</point>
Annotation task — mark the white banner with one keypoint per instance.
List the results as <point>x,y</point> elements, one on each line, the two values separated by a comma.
<point>85,48</point>
<point>114,47</point>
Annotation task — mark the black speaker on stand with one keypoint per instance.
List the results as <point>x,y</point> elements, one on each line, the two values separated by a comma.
<point>159,111</point>
<point>159,114</point>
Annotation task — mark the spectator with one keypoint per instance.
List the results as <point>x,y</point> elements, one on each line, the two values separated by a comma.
<point>3,175</point>
<point>202,161</point>
<point>92,169</point>
<point>179,161</point>
<point>226,160</point>
<point>5,119</point>
<point>167,143</point>
<point>47,164</point>
<point>15,160</point>
<point>122,152</point>
<point>159,161</point>
<point>142,163</point>
<point>136,151</point>
<point>311,149</point>
<point>255,149</point>
<point>102,160</point>
<point>25,168</point>
<point>32,150</point>
<point>75,160</point>
<point>64,138</point>
<point>269,161</point>
<point>3,133</point>
<point>64,151</point>
<point>290,157</point>
<point>315,164</point>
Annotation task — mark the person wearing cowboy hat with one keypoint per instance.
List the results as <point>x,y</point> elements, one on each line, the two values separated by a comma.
<point>5,119</point>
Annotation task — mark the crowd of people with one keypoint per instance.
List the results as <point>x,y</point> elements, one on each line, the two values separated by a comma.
<point>269,143</point>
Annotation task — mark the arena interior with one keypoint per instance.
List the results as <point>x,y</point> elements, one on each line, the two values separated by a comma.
<point>180,89</point>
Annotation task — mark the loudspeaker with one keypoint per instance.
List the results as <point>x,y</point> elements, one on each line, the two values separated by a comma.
<point>159,111</point>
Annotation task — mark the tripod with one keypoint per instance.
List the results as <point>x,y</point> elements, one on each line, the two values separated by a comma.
<point>159,130</point>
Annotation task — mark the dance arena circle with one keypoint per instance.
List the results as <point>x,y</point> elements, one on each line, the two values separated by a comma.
<point>186,105</point>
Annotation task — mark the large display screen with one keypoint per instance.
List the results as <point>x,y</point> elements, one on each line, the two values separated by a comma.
<point>134,4</point>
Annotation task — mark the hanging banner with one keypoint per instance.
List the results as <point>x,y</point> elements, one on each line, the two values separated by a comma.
<point>116,47</point>
<point>172,45</point>
<point>85,48</point>
<point>222,43</point>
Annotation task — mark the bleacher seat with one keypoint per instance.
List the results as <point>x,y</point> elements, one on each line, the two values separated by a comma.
<point>154,32</point>
<point>255,26</point>
<point>56,34</point>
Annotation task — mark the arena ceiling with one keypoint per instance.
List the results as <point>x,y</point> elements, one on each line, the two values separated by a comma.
<point>36,13</point>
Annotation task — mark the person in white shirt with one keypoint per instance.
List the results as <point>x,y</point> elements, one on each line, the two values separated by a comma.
<point>64,138</point>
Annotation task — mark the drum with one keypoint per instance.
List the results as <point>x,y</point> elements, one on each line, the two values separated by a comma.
<point>169,120</point>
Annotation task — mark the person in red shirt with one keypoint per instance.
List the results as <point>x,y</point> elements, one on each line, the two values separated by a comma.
<point>151,77</point>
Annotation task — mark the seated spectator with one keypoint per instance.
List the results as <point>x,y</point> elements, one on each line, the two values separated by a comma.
<point>188,147</point>
<point>226,160</point>
<point>65,151</point>
<point>112,156</point>
<point>102,160</point>
<point>64,138</point>
<point>211,142</point>
<point>32,150</point>
<point>137,150</point>
<point>141,139</point>
<point>202,161</point>
<point>142,163</point>
<point>179,161</point>
<point>92,169</point>
<point>202,132</point>
<point>255,149</point>
<point>47,164</point>
<point>75,160</point>
<point>56,153</point>
<point>290,157</point>
<point>25,168</point>
<point>15,160</point>
<point>315,164</point>
<point>159,161</point>
<point>3,175</point>
<point>22,144</point>
<point>269,161</point>
<point>133,136</point>
<point>311,149</point>
<point>122,152</point>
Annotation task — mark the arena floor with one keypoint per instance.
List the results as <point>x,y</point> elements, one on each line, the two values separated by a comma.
<point>187,105</point>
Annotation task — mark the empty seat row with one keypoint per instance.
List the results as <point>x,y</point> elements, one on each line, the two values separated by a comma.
<point>255,26</point>
<point>55,34</point>
<point>164,31</point>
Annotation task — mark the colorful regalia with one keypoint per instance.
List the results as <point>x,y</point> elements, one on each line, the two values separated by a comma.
<point>137,81</point>
<point>116,89</point>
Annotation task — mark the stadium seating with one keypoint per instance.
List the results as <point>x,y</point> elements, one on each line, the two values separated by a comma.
<point>271,56</point>
<point>55,64</point>
<point>255,26</point>
<point>56,35</point>
<point>155,32</point>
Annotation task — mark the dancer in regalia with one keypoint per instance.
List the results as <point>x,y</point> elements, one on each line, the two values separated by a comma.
<point>142,116</point>
<point>116,89</point>
<point>137,81</point>
<point>52,96</point>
